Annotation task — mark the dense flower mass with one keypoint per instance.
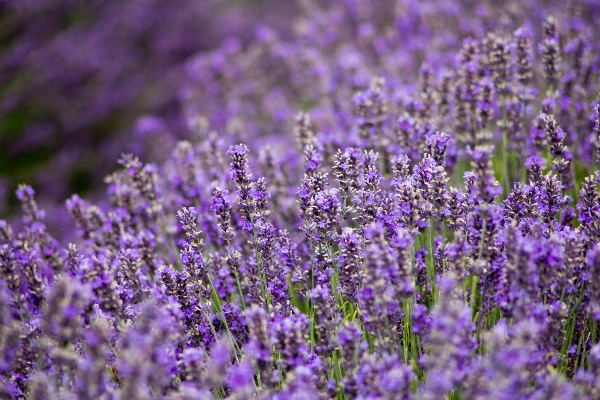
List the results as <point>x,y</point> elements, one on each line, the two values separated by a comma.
<point>391,203</point>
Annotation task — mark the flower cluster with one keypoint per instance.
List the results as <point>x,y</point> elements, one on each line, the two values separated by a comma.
<point>392,241</point>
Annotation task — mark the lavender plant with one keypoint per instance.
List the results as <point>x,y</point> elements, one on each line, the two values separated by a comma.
<point>388,240</point>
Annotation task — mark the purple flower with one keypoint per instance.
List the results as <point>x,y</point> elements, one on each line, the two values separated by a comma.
<point>221,206</point>
<point>593,261</point>
<point>288,337</point>
<point>550,50</point>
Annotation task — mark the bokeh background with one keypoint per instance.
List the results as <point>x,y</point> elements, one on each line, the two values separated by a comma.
<point>78,77</point>
<point>82,81</point>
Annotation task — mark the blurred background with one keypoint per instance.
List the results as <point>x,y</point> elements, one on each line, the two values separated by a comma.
<point>77,77</point>
<point>82,81</point>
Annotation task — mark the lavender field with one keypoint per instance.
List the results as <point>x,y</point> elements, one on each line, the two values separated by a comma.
<point>347,200</point>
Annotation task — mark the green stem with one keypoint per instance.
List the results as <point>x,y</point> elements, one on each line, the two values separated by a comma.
<point>474,280</point>
<point>505,173</point>
<point>237,279</point>
<point>217,300</point>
